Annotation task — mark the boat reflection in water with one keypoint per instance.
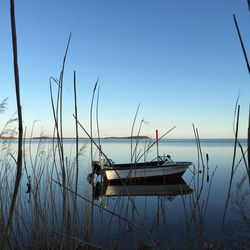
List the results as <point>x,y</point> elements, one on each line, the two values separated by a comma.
<point>149,188</point>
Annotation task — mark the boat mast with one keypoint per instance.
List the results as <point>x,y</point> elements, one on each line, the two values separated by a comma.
<point>157,146</point>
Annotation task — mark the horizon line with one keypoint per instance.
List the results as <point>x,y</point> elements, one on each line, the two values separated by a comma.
<point>116,138</point>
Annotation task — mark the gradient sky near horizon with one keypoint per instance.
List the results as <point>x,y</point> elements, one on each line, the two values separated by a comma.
<point>181,60</point>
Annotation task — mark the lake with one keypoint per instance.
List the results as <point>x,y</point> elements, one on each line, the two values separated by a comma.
<point>200,211</point>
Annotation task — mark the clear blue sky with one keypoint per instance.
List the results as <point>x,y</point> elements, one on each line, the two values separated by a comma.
<point>181,60</point>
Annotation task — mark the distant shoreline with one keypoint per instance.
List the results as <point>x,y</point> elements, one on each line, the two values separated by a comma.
<point>119,138</point>
<point>73,138</point>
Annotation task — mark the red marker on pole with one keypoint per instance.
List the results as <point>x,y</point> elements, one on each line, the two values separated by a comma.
<point>156,134</point>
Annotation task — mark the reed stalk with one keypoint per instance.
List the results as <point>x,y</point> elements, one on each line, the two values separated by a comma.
<point>198,161</point>
<point>61,139</point>
<point>91,124</point>
<point>132,131</point>
<point>77,135</point>
<point>232,169</point>
<point>20,123</point>
<point>58,119</point>
<point>209,191</point>
<point>248,144</point>
<point>97,120</point>
<point>241,43</point>
<point>134,155</point>
<point>242,199</point>
<point>202,161</point>
<point>199,209</point>
<point>248,67</point>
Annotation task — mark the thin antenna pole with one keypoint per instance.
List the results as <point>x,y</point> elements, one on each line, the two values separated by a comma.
<point>157,144</point>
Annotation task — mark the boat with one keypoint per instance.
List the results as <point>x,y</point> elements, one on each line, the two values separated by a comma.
<point>170,189</point>
<point>163,168</point>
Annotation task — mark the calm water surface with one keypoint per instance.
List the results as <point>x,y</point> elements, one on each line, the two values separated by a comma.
<point>166,217</point>
<point>178,220</point>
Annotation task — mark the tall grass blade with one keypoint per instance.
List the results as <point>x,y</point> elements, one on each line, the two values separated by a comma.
<point>97,120</point>
<point>241,43</point>
<point>248,145</point>
<point>20,122</point>
<point>77,134</point>
<point>232,168</point>
<point>132,131</point>
<point>91,123</point>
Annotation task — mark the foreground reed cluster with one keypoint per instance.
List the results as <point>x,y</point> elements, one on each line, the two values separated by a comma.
<point>46,203</point>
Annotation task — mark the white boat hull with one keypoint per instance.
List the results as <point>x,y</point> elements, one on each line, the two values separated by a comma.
<point>173,171</point>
